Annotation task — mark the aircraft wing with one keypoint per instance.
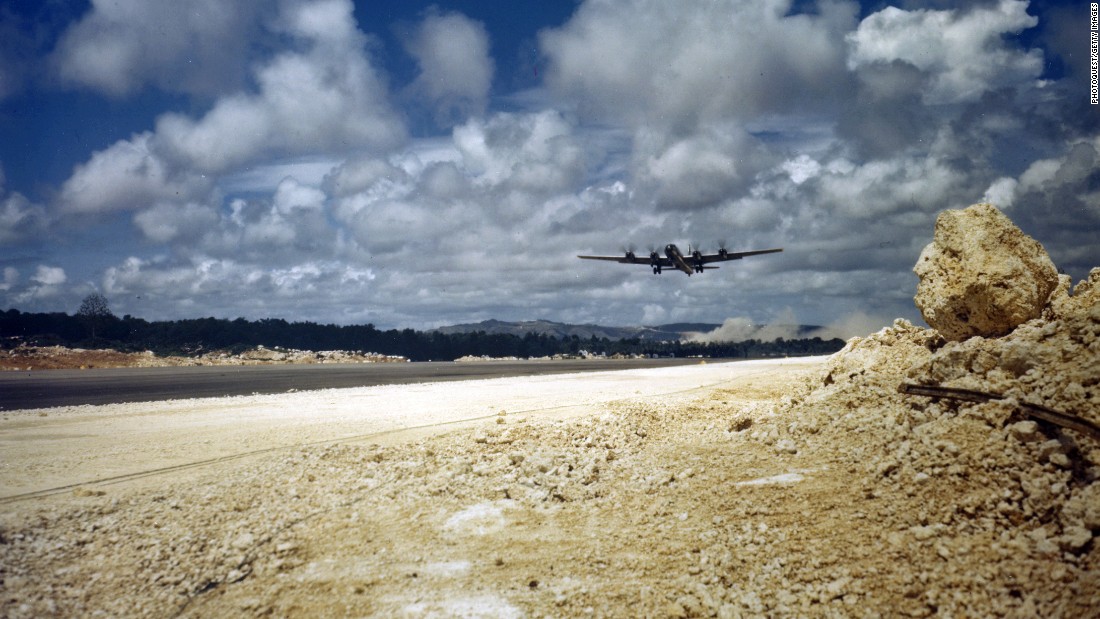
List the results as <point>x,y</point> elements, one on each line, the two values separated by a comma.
<point>665,262</point>
<point>734,255</point>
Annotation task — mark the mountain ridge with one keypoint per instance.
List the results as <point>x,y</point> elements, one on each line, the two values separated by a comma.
<point>667,332</point>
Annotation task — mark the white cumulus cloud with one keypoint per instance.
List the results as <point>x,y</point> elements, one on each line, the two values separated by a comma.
<point>328,97</point>
<point>128,175</point>
<point>11,278</point>
<point>688,81</point>
<point>960,51</point>
<point>325,95</point>
<point>533,152</point>
<point>456,71</point>
<point>199,46</point>
<point>20,219</point>
<point>650,62</point>
<point>171,222</point>
<point>46,284</point>
<point>49,276</point>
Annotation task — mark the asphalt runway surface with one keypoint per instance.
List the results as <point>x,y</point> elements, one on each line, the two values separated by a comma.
<point>50,388</point>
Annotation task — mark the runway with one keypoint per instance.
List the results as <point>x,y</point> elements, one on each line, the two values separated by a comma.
<point>50,451</point>
<point>50,388</point>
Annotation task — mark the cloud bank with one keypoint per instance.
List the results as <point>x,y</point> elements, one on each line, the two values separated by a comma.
<point>304,183</point>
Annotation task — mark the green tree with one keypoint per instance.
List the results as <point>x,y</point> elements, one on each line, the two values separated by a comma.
<point>95,312</point>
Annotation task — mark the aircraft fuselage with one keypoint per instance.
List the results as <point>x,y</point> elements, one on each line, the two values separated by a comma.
<point>675,257</point>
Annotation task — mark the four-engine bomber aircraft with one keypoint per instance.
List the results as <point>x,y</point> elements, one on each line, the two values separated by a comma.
<point>694,262</point>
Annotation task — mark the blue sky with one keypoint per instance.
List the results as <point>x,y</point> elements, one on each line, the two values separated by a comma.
<point>414,164</point>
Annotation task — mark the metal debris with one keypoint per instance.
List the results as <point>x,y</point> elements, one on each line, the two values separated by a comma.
<point>1065,420</point>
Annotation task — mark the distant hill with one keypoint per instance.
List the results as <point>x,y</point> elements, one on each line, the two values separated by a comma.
<point>660,333</point>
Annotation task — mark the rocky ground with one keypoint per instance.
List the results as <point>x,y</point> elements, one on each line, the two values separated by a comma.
<point>821,491</point>
<point>24,358</point>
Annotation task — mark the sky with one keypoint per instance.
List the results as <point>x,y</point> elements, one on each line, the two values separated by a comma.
<point>415,164</point>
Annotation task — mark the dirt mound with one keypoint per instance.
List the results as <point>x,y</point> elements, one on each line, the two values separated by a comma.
<point>22,358</point>
<point>1009,503</point>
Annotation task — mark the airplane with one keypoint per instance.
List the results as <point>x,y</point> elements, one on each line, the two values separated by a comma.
<point>694,262</point>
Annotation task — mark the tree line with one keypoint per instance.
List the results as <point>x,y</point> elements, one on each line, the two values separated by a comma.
<point>94,326</point>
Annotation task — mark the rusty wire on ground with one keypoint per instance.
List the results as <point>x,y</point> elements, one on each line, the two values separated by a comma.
<point>1038,411</point>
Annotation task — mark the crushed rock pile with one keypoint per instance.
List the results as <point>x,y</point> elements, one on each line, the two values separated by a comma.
<point>480,358</point>
<point>1019,495</point>
<point>22,358</point>
<point>262,356</point>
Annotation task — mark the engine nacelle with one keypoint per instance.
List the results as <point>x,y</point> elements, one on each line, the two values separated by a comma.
<point>655,262</point>
<point>630,256</point>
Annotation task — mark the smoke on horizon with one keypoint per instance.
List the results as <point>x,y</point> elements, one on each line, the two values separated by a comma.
<point>785,325</point>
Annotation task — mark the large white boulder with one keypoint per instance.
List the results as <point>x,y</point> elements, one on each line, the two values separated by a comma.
<point>981,275</point>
